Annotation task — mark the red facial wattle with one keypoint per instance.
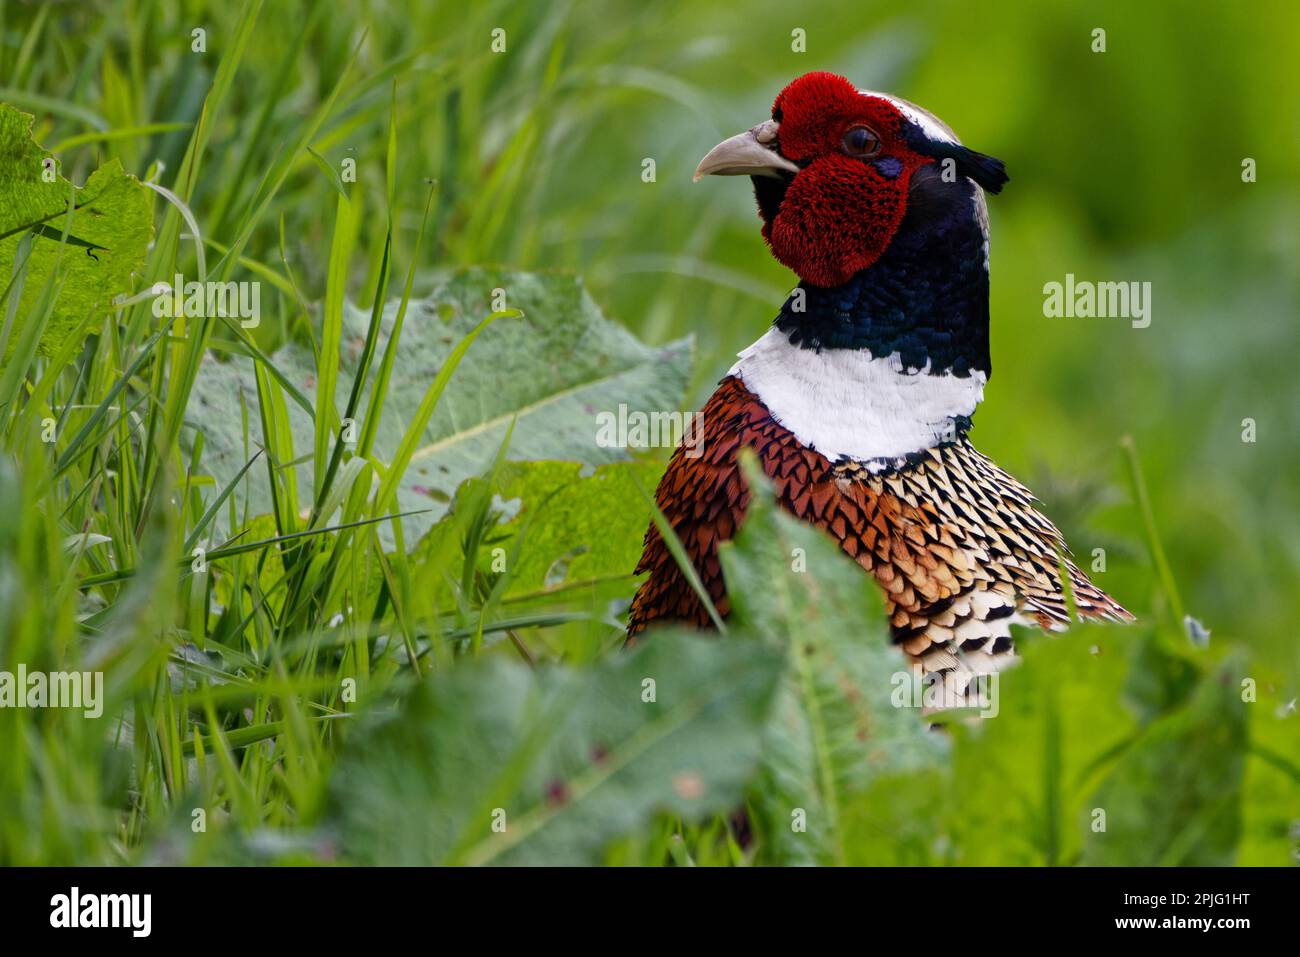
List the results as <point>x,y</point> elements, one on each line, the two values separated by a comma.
<point>838,216</point>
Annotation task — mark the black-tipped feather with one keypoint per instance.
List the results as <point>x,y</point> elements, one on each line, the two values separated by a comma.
<point>988,172</point>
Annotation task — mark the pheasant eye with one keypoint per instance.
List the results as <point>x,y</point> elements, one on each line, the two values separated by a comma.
<point>860,141</point>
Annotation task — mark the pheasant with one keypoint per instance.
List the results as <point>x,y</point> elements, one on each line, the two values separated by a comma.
<point>859,398</point>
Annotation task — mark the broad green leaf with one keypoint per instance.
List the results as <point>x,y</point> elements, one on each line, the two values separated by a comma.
<point>1174,799</point>
<point>1271,790</point>
<point>577,524</point>
<point>1159,680</point>
<point>112,224</point>
<point>553,371</point>
<point>835,726</point>
<point>1017,790</point>
<point>562,760</point>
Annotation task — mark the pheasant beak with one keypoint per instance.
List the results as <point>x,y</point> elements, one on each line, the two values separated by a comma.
<point>747,154</point>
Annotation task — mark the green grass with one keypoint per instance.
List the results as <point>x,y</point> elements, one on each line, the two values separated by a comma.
<point>233,682</point>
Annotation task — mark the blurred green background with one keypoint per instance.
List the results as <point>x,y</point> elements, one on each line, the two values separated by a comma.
<point>1125,166</point>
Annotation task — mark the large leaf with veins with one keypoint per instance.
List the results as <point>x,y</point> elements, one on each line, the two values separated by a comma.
<point>551,373</point>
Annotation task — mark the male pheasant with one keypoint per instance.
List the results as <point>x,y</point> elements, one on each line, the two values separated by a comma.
<point>859,398</point>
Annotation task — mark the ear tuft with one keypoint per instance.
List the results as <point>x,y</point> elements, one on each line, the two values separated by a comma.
<point>989,173</point>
